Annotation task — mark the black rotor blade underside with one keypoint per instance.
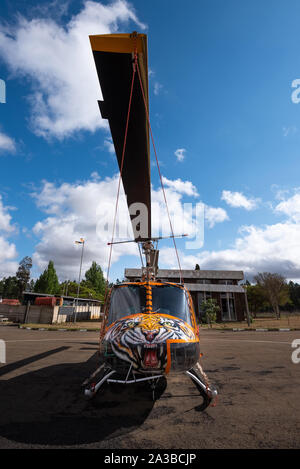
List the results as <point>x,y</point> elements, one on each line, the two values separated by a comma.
<point>115,71</point>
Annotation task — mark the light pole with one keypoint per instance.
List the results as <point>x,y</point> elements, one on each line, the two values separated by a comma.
<point>82,243</point>
<point>65,290</point>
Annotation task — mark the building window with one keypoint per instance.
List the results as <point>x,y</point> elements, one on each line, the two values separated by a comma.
<point>228,307</point>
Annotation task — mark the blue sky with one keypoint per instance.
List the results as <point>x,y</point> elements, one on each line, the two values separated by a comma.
<point>221,77</point>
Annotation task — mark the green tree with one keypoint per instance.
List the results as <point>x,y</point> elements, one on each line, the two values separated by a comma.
<point>256,298</point>
<point>48,281</point>
<point>9,287</point>
<point>23,274</point>
<point>275,289</point>
<point>294,292</point>
<point>210,310</point>
<point>69,288</point>
<point>85,290</point>
<point>31,285</point>
<point>95,279</point>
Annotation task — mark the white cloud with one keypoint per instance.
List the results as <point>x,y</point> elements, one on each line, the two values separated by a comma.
<point>5,219</point>
<point>108,143</point>
<point>8,252</point>
<point>175,189</point>
<point>59,64</point>
<point>237,199</point>
<point>181,214</point>
<point>168,259</point>
<point>180,154</point>
<point>292,130</point>
<point>157,88</point>
<point>215,215</point>
<point>7,143</point>
<point>290,207</point>
<point>279,193</point>
<point>272,248</point>
<point>85,209</point>
<point>182,187</point>
<point>267,248</point>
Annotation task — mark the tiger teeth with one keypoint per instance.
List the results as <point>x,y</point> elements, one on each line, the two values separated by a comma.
<point>150,346</point>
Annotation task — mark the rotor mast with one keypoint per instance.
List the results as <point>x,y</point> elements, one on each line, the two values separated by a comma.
<point>151,255</point>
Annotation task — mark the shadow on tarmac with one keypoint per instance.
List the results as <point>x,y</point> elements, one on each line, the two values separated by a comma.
<point>47,406</point>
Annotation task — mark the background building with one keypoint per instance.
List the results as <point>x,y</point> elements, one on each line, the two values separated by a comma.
<point>61,309</point>
<point>221,285</point>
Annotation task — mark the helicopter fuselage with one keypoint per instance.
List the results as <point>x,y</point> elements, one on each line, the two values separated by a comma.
<point>159,335</point>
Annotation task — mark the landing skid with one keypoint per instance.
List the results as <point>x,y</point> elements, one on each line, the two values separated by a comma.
<point>207,391</point>
<point>131,378</point>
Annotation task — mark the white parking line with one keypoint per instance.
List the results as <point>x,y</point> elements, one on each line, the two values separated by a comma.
<point>52,340</point>
<point>201,340</point>
<point>245,340</point>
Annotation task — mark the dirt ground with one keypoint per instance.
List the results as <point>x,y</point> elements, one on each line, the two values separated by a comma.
<point>42,404</point>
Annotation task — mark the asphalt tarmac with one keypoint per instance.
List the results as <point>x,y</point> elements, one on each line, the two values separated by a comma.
<point>42,403</point>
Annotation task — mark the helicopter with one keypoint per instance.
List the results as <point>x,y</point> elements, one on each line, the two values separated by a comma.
<point>149,329</point>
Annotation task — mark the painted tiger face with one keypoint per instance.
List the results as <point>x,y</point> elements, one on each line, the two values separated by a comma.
<point>142,339</point>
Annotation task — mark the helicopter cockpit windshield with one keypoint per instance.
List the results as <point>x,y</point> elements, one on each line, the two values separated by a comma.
<point>171,300</point>
<point>131,299</point>
<point>125,301</point>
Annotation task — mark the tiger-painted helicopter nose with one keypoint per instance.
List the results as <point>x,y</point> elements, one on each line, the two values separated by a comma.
<point>152,341</point>
<point>160,339</point>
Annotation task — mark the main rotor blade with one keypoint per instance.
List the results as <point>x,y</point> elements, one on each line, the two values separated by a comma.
<point>113,55</point>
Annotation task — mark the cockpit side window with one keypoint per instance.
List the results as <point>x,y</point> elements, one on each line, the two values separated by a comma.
<point>168,299</point>
<point>125,301</point>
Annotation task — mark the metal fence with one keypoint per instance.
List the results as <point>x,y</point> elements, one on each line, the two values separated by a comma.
<point>82,313</point>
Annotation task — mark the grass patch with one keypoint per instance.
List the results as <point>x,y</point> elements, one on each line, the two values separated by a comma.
<point>69,326</point>
<point>287,321</point>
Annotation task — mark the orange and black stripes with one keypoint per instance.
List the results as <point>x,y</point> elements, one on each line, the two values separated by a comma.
<point>148,308</point>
